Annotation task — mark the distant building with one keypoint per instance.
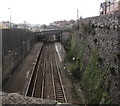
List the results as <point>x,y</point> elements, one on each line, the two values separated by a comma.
<point>63,23</point>
<point>3,25</point>
<point>110,6</point>
<point>7,24</point>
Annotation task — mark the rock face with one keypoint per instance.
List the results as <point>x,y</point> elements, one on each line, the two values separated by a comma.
<point>101,33</point>
<point>14,98</point>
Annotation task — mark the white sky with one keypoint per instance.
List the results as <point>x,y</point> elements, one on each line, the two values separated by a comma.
<point>47,11</point>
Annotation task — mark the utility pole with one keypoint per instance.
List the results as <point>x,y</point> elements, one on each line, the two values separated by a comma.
<point>10,16</point>
<point>77,14</point>
<point>25,25</point>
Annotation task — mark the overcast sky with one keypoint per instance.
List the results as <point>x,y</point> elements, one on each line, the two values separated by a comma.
<point>47,11</point>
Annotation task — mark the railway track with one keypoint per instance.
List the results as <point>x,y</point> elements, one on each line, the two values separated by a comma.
<point>57,80</point>
<point>46,81</point>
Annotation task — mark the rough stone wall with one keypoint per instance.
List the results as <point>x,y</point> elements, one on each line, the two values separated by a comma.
<point>103,33</point>
<point>15,99</point>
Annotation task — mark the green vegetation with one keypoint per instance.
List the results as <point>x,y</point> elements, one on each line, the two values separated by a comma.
<point>106,99</point>
<point>100,60</point>
<point>88,74</point>
<point>87,28</point>
<point>93,79</point>
<point>93,32</point>
<point>71,49</point>
<point>67,44</point>
<point>74,69</point>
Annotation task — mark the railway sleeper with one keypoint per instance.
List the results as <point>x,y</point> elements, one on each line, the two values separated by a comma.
<point>57,84</point>
<point>60,94</point>
<point>60,97</point>
<point>59,90</point>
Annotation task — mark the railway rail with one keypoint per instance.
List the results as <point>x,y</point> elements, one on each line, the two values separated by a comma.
<point>46,81</point>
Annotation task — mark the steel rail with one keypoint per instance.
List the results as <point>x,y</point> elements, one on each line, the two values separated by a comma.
<point>41,74</point>
<point>33,70</point>
<point>58,80</point>
<point>53,78</point>
<point>61,82</point>
<point>33,91</point>
<point>43,81</point>
<point>58,91</point>
<point>42,92</point>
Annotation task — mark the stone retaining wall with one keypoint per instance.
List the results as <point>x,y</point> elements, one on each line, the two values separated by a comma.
<point>14,98</point>
<point>102,33</point>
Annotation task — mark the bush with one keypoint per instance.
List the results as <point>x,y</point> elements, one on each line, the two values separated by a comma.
<point>93,79</point>
<point>87,28</point>
<point>75,71</point>
<point>69,56</point>
<point>105,99</point>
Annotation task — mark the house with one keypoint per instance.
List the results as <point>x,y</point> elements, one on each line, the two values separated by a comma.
<point>109,7</point>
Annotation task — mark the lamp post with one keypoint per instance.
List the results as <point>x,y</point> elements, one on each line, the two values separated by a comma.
<point>77,14</point>
<point>10,17</point>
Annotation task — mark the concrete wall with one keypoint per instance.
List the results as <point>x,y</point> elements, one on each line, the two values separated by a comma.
<point>15,45</point>
<point>102,33</point>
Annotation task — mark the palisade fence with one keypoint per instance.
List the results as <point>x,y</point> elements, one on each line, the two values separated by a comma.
<point>15,45</point>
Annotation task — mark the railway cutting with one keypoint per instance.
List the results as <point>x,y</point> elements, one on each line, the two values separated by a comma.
<point>46,81</point>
